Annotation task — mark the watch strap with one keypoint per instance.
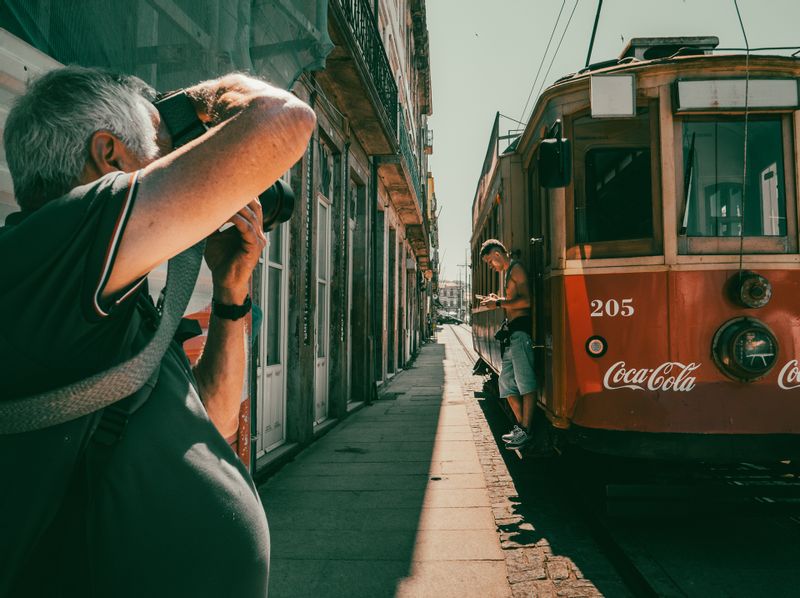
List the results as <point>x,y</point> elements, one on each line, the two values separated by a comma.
<point>231,312</point>
<point>180,117</point>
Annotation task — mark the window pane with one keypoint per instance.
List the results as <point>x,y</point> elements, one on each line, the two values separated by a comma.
<point>322,320</point>
<point>322,242</point>
<point>618,202</point>
<point>276,245</point>
<point>273,309</point>
<point>718,205</point>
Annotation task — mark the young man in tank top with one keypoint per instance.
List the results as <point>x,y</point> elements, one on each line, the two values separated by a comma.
<point>517,379</point>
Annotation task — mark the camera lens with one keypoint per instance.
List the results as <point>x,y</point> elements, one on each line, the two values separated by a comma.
<point>277,204</point>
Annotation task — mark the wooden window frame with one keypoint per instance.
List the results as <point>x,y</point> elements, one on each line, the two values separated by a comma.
<point>627,247</point>
<point>788,244</point>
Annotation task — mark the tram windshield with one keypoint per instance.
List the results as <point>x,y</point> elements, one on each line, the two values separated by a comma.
<point>717,204</point>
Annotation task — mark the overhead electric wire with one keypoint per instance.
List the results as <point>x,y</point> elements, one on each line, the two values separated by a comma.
<point>544,56</point>
<point>746,115</point>
<point>563,34</point>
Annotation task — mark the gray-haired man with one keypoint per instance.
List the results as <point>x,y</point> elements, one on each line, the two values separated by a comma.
<point>168,509</point>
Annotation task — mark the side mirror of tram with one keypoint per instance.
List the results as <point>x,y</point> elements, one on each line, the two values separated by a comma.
<point>555,165</point>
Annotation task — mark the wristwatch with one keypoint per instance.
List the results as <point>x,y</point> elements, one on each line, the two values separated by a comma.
<point>231,312</point>
<point>180,117</point>
<point>497,303</point>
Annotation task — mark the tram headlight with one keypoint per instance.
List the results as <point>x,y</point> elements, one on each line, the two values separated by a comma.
<point>750,289</point>
<point>744,349</point>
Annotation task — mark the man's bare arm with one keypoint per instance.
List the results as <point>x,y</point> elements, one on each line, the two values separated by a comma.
<point>517,294</point>
<point>260,132</point>
<point>220,371</point>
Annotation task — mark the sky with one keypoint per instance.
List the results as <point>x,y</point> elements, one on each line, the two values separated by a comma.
<point>484,57</point>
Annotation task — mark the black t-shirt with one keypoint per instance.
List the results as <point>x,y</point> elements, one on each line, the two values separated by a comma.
<point>169,509</point>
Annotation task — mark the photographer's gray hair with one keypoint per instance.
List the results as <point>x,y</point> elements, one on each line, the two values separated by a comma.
<point>47,145</point>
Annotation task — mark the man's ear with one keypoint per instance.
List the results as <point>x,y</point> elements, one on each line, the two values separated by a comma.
<point>105,153</point>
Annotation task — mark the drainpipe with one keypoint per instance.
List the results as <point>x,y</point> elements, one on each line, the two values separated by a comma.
<point>375,316</point>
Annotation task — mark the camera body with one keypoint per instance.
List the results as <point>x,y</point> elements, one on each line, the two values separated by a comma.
<point>178,114</point>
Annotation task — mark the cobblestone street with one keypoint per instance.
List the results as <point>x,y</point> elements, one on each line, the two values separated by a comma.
<point>411,497</point>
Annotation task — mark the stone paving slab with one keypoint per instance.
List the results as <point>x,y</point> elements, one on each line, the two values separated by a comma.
<point>461,497</point>
<point>460,518</point>
<point>448,580</point>
<point>335,578</point>
<point>291,519</point>
<point>335,500</point>
<point>362,545</point>
<point>457,545</point>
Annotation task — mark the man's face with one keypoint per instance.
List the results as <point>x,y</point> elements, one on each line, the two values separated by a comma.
<point>495,260</point>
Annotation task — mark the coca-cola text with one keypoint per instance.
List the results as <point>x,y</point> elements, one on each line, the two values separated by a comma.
<point>669,376</point>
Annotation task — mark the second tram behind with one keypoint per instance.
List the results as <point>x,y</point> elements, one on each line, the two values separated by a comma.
<point>654,202</point>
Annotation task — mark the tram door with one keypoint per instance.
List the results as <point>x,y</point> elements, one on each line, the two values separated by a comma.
<point>271,409</point>
<point>537,206</point>
<point>323,311</point>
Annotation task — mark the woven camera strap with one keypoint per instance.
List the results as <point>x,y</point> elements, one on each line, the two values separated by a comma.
<point>86,396</point>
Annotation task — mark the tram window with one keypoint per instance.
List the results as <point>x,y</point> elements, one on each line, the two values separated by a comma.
<point>618,199</point>
<point>717,204</point>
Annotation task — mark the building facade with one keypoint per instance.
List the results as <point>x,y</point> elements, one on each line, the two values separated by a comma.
<point>344,293</point>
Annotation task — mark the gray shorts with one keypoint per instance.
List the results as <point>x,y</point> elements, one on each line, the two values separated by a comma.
<point>516,375</point>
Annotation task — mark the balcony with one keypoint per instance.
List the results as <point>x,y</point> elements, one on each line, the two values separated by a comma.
<point>358,75</point>
<point>401,176</point>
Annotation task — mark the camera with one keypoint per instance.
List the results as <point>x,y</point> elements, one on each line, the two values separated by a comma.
<point>178,114</point>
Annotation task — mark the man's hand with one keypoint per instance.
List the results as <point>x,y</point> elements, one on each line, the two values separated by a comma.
<point>233,254</point>
<point>490,299</point>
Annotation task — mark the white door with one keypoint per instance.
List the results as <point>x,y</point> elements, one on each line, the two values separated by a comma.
<point>271,408</point>
<point>352,231</point>
<point>323,312</point>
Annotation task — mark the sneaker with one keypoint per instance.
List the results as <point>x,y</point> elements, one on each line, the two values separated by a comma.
<point>517,443</point>
<point>513,434</point>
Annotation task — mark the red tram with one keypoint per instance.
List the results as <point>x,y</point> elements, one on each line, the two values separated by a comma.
<point>654,201</point>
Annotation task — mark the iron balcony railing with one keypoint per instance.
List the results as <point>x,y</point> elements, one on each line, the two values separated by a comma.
<point>411,161</point>
<point>363,25</point>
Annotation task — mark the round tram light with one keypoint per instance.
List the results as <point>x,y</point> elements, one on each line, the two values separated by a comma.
<point>751,289</point>
<point>744,349</point>
<point>596,346</point>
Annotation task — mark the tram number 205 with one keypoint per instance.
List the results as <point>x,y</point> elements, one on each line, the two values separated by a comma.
<point>612,308</point>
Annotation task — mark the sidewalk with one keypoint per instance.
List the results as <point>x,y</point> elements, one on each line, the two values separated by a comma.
<point>392,502</point>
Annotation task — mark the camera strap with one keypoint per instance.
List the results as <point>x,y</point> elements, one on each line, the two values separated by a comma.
<point>86,396</point>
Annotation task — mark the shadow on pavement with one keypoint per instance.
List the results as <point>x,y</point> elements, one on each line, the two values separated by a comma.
<point>345,513</point>
<point>549,520</point>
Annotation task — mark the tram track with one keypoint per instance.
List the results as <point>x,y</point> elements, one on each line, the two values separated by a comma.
<point>650,528</point>
<point>470,353</point>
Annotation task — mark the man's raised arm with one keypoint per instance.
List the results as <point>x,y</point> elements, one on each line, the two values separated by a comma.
<point>257,133</point>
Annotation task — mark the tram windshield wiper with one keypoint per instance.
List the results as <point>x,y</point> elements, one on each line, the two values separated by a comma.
<point>687,187</point>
